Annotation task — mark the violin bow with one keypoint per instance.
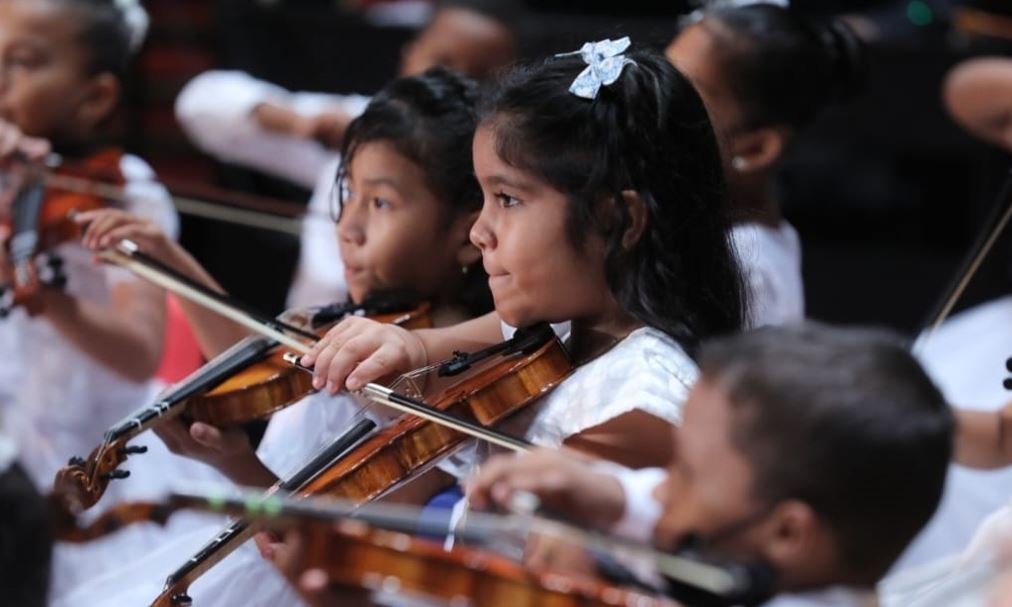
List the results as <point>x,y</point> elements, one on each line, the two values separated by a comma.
<point>995,225</point>
<point>281,509</point>
<point>236,207</point>
<point>128,255</point>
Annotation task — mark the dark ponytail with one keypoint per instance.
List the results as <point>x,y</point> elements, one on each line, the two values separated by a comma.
<point>785,68</point>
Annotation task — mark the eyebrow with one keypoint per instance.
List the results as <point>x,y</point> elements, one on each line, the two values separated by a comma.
<point>499,179</point>
<point>387,181</point>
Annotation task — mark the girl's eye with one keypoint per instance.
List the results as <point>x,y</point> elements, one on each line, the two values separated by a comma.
<point>506,201</point>
<point>381,203</point>
<point>23,60</point>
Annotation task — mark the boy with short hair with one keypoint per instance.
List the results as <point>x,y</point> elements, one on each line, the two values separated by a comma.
<point>819,452</point>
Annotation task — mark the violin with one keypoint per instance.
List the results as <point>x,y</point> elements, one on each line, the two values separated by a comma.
<point>41,218</point>
<point>250,381</point>
<point>354,552</point>
<point>500,381</point>
<point>396,563</point>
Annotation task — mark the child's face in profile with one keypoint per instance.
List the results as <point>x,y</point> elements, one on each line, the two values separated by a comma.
<point>43,69</point>
<point>695,53</point>
<point>709,488</point>
<point>392,232</point>
<point>535,273</point>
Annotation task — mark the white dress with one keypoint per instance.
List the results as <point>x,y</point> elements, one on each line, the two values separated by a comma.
<point>966,359</point>
<point>967,579</point>
<point>647,371</point>
<point>215,111</point>
<point>770,260</point>
<point>56,402</point>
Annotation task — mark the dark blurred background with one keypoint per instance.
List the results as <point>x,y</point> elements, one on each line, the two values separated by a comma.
<point>886,192</point>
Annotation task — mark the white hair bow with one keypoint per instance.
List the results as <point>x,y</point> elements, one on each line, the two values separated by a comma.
<point>605,63</point>
<point>137,21</point>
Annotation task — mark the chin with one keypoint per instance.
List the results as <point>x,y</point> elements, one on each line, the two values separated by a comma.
<point>511,316</point>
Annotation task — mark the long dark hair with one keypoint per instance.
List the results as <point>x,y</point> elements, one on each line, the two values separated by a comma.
<point>648,132</point>
<point>105,34</point>
<point>783,67</point>
<point>429,119</point>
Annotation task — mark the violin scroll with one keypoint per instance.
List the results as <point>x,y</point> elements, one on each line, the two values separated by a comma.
<point>82,482</point>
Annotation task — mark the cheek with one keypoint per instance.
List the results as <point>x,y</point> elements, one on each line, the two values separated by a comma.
<point>408,253</point>
<point>39,101</point>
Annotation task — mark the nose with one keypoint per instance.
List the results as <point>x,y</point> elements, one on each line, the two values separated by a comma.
<point>482,234</point>
<point>351,226</point>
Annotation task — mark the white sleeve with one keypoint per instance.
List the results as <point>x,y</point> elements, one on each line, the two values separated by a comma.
<point>319,275</point>
<point>145,197</point>
<point>642,510</point>
<point>214,109</point>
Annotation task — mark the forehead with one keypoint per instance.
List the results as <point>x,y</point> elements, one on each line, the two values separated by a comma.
<point>381,157</point>
<point>45,20</point>
<point>488,162</point>
<point>694,53</point>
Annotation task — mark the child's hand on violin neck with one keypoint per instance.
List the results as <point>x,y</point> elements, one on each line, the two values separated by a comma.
<point>358,351</point>
<point>563,482</point>
<point>15,146</point>
<point>107,227</point>
<point>216,447</point>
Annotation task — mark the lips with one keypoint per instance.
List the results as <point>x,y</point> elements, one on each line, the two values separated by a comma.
<point>352,272</point>
<point>497,281</point>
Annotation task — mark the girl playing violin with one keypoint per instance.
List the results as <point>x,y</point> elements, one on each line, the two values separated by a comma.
<point>407,198</point>
<point>86,358</point>
<point>765,72</point>
<point>603,206</point>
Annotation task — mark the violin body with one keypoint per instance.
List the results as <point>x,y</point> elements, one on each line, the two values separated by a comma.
<point>394,563</point>
<point>396,453</point>
<point>42,219</point>
<point>250,383</point>
<point>273,383</point>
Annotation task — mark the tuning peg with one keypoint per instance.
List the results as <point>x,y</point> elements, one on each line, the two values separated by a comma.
<point>116,475</point>
<point>182,600</point>
<point>133,450</point>
<point>1007,384</point>
<point>76,461</point>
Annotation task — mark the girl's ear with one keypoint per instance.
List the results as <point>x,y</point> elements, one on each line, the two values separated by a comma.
<point>637,218</point>
<point>101,94</point>
<point>757,150</point>
<point>460,234</point>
